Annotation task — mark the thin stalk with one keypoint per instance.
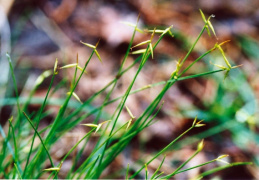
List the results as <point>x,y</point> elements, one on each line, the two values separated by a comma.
<point>158,175</point>
<point>64,106</point>
<point>94,151</point>
<point>16,159</point>
<point>184,170</point>
<point>18,172</point>
<point>125,139</point>
<point>194,44</point>
<point>194,62</point>
<point>41,140</point>
<point>127,172</point>
<point>16,90</point>
<point>92,166</point>
<point>154,104</point>
<point>117,77</point>
<point>73,148</point>
<point>182,165</point>
<point>5,143</point>
<point>61,112</point>
<point>10,101</point>
<point>121,105</point>
<point>38,122</point>
<point>159,167</point>
<point>128,50</point>
<point>214,170</point>
<point>162,151</point>
<point>44,75</point>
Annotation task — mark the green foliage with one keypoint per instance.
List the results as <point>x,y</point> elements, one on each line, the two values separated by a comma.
<point>106,149</point>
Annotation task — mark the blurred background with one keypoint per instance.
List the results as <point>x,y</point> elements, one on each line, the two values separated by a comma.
<point>35,33</point>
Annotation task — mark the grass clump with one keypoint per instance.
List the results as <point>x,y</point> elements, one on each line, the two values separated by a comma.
<point>32,164</point>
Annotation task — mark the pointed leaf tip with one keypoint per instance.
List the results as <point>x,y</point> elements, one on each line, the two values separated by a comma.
<point>203,16</point>
<point>52,169</point>
<point>97,54</point>
<point>89,45</point>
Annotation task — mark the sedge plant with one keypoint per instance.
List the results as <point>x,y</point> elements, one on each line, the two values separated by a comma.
<point>31,163</point>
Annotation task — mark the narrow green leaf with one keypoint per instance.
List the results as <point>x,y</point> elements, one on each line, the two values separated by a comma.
<point>159,167</point>
<point>17,170</point>
<point>127,173</point>
<point>41,140</point>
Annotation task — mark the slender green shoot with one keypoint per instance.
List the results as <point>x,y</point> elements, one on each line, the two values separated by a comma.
<point>214,170</point>
<point>41,140</point>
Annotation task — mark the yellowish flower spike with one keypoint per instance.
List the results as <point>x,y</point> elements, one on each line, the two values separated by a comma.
<point>41,78</point>
<point>130,113</point>
<point>140,51</point>
<point>162,32</point>
<point>94,48</point>
<point>73,65</point>
<point>151,49</point>
<point>75,96</point>
<point>203,16</point>
<point>229,67</point>
<point>200,145</point>
<point>10,119</point>
<point>97,126</point>
<point>132,25</point>
<point>222,156</point>
<point>208,23</point>
<point>56,67</point>
<point>89,45</point>
<point>219,66</point>
<point>194,121</point>
<point>149,42</point>
<point>68,66</point>
<point>197,124</point>
<point>179,64</point>
<point>129,123</point>
<point>52,169</point>
<point>81,69</point>
<point>142,43</point>
<point>168,30</point>
<point>224,57</point>
<point>90,125</point>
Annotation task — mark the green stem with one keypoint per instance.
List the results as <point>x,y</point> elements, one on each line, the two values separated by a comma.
<point>16,91</point>
<point>199,58</point>
<point>73,148</point>
<point>214,170</point>
<point>38,122</point>
<point>182,165</point>
<point>160,152</point>
<point>41,140</point>
<point>194,44</point>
